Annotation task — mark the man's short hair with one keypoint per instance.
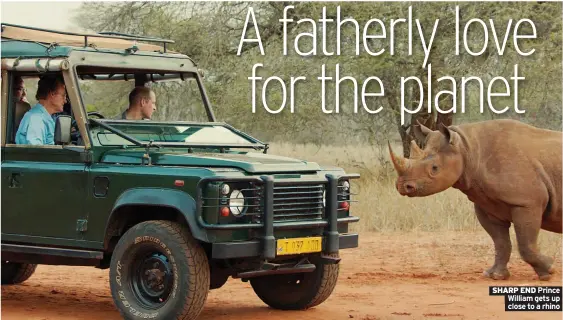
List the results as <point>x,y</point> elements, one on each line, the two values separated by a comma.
<point>138,93</point>
<point>18,79</point>
<point>18,83</point>
<point>48,84</point>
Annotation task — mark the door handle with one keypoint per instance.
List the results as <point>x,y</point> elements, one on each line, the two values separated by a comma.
<point>14,180</point>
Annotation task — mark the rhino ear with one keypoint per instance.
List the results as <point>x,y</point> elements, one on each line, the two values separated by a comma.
<point>420,131</point>
<point>450,135</point>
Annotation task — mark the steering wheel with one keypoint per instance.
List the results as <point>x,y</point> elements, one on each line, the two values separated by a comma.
<point>75,135</point>
<point>97,114</point>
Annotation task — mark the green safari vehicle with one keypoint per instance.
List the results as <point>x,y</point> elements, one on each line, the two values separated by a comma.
<point>172,208</point>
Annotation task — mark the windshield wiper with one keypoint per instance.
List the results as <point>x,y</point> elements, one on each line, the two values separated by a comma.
<point>146,145</point>
<point>204,145</point>
<point>125,135</point>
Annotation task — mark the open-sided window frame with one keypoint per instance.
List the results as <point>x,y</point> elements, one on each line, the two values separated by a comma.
<point>9,104</point>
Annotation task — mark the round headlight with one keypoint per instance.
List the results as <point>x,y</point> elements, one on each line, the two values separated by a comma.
<point>324,198</point>
<point>346,185</point>
<point>225,189</point>
<point>236,202</point>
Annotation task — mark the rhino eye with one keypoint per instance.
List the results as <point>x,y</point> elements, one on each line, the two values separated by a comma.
<point>434,168</point>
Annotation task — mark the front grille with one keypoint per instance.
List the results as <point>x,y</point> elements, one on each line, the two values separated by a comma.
<point>298,202</point>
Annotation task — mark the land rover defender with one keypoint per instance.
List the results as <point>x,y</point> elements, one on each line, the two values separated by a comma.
<point>173,208</point>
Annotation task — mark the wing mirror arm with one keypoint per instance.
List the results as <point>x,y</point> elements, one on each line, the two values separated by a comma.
<point>63,126</point>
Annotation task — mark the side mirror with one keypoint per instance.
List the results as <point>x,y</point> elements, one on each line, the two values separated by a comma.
<point>62,129</point>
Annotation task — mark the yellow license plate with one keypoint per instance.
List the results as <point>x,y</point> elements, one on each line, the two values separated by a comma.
<point>299,245</point>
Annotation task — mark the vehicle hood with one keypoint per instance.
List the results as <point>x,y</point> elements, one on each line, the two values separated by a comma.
<point>252,162</point>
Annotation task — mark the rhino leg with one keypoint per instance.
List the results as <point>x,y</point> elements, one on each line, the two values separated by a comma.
<point>527,224</point>
<point>498,230</point>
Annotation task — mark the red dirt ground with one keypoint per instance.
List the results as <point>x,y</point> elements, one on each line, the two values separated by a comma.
<point>395,276</point>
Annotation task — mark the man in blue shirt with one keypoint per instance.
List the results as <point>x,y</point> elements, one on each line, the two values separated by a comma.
<point>37,126</point>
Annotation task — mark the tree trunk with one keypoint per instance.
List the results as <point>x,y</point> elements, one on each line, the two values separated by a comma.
<point>394,104</point>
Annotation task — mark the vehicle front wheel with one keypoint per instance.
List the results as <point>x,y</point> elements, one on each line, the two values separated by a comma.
<point>159,271</point>
<point>297,291</point>
<point>14,272</point>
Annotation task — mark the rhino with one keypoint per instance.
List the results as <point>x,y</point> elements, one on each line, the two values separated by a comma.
<point>510,170</point>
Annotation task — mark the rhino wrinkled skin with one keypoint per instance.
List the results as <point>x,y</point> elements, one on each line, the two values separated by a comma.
<point>511,171</point>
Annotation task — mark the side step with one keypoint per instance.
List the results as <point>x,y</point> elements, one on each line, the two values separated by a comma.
<point>326,259</point>
<point>48,251</point>
<point>271,269</point>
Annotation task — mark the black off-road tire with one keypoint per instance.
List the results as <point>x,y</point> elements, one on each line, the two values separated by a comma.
<point>184,259</point>
<point>297,291</point>
<point>14,272</point>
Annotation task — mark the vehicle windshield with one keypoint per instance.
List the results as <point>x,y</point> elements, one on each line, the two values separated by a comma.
<point>106,91</point>
<point>179,116</point>
<point>171,134</point>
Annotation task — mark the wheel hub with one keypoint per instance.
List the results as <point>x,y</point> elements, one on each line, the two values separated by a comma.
<point>154,279</point>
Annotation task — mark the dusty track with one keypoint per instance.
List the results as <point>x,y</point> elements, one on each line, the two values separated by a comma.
<point>409,276</point>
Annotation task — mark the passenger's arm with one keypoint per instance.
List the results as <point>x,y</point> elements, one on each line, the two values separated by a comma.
<point>35,131</point>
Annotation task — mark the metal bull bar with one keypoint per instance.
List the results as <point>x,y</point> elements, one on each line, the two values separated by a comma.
<point>268,241</point>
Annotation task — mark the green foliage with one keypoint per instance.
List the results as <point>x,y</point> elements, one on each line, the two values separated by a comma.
<point>210,34</point>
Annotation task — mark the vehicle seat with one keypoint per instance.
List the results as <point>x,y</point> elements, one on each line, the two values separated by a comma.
<point>21,109</point>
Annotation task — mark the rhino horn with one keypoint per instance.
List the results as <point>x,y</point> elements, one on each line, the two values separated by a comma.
<point>399,162</point>
<point>416,152</point>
